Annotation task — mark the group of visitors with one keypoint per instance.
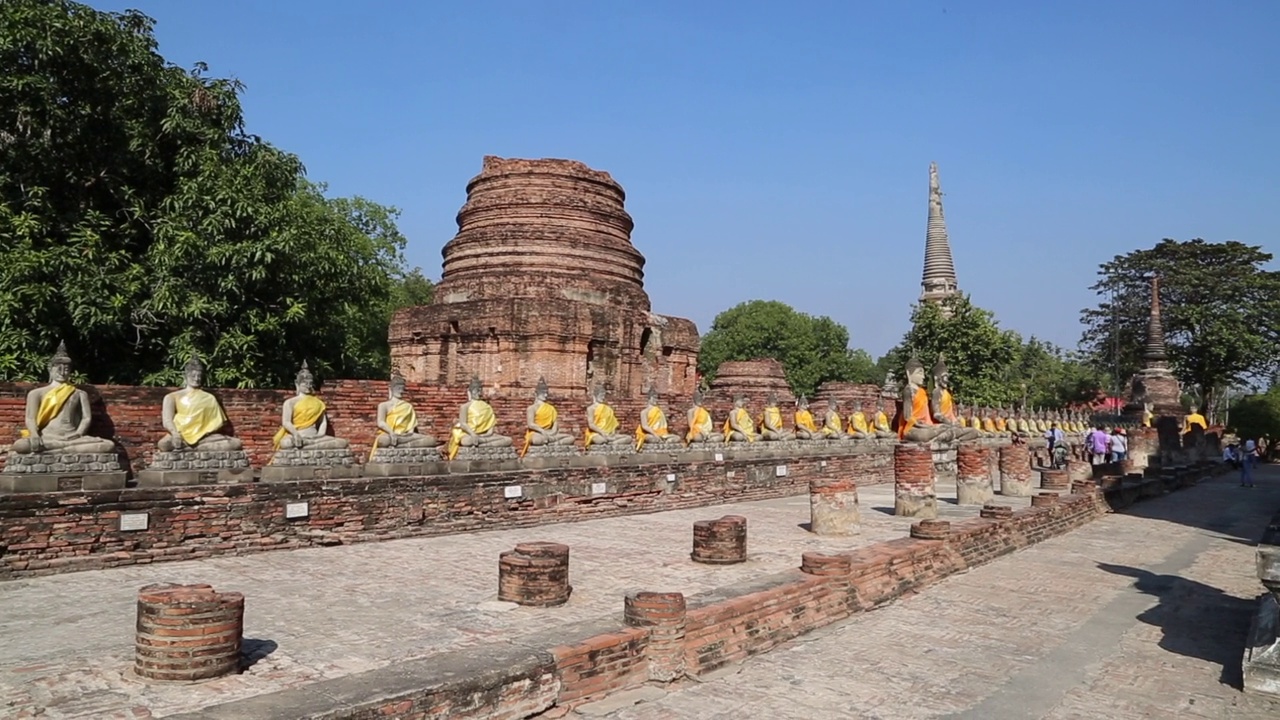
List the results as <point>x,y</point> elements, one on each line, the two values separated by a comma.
<point>1244,456</point>
<point>1106,445</point>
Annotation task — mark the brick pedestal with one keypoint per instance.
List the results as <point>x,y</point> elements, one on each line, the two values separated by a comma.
<point>663,613</point>
<point>535,574</point>
<point>187,632</point>
<point>720,542</point>
<point>914,494</point>
<point>945,463</point>
<point>931,530</point>
<point>813,563</point>
<point>833,507</point>
<point>996,512</point>
<point>1079,470</point>
<point>973,474</point>
<point>1015,471</point>
<point>1044,499</point>
<point>1144,445</point>
<point>1055,480</point>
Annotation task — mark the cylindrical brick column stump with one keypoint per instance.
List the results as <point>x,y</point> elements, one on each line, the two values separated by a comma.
<point>1044,499</point>
<point>663,613</point>
<point>1015,471</point>
<point>187,632</point>
<point>814,563</point>
<point>1079,470</point>
<point>914,494</point>
<point>991,511</point>
<point>973,474</point>
<point>535,574</point>
<point>931,530</point>
<point>1084,487</point>
<point>720,542</point>
<point>1054,480</point>
<point>833,507</point>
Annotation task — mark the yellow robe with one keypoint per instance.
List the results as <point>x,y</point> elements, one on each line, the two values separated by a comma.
<point>858,423</point>
<point>1001,425</point>
<point>401,418</point>
<point>605,419</point>
<point>307,412</point>
<point>701,424</point>
<point>804,419</point>
<point>919,414</point>
<point>50,405</point>
<point>744,419</point>
<point>832,425</point>
<point>946,407</point>
<point>197,414</point>
<point>544,417</point>
<point>882,421</point>
<point>657,420</point>
<point>988,425</point>
<point>480,418</point>
<point>1194,419</point>
<point>772,416</point>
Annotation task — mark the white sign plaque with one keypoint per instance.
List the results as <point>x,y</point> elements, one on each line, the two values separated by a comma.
<point>296,510</point>
<point>719,457</point>
<point>780,471</point>
<point>512,491</point>
<point>730,474</point>
<point>133,521</point>
<point>599,488</point>
<point>671,477</point>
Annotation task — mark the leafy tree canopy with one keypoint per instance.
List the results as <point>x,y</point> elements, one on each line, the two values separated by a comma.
<point>812,350</point>
<point>141,222</point>
<point>1257,416</point>
<point>1220,309</point>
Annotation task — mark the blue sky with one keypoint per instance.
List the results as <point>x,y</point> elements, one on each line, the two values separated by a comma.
<point>781,150</point>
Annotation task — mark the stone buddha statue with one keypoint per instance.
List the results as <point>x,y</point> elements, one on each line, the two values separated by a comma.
<point>1194,419</point>
<point>193,416</point>
<point>701,428</point>
<point>602,423</point>
<point>1023,424</point>
<point>477,425</point>
<point>1042,421</point>
<point>988,422</point>
<point>944,405</point>
<point>398,422</point>
<point>859,428</point>
<point>832,422</point>
<point>916,423</point>
<point>1147,415</point>
<point>542,422</point>
<point>806,428</point>
<point>880,426</point>
<point>304,422</point>
<point>58,415</point>
<point>739,427</point>
<point>771,422</point>
<point>653,424</point>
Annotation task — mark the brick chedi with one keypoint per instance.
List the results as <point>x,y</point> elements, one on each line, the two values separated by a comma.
<point>753,379</point>
<point>542,281</point>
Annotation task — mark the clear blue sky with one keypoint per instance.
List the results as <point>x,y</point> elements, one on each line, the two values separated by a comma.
<point>781,150</point>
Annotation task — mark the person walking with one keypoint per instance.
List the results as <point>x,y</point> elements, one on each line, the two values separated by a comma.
<point>1120,445</point>
<point>1248,457</point>
<point>1098,445</point>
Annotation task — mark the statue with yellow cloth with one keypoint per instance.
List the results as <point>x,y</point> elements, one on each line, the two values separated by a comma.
<point>542,426</point>
<point>771,428</point>
<point>806,428</point>
<point>1194,419</point>
<point>859,427</point>
<point>944,405</point>
<point>988,422</point>
<point>832,423</point>
<point>739,426</point>
<point>653,427</point>
<point>1148,417</point>
<point>916,423</point>
<point>701,427</point>
<point>58,415</point>
<point>397,422</point>
<point>193,416</point>
<point>602,427</point>
<point>304,424</point>
<point>476,427</point>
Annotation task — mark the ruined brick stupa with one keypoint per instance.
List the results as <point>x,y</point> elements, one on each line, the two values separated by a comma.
<point>939,279</point>
<point>542,281</point>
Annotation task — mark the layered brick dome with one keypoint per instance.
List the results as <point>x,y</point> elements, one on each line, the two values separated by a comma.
<point>545,229</point>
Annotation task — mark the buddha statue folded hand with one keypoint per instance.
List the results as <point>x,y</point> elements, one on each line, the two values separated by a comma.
<point>832,423</point>
<point>398,422</point>
<point>916,423</point>
<point>58,415</point>
<point>602,423</point>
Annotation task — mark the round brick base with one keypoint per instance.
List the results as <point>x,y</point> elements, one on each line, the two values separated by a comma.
<point>1015,471</point>
<point>973,474</point>
<point>931,530</point>
<point>996,512</point>
<point>814,563</point>
<point>1079,470</point>
<point>914,492</point>
<point>535,574</point>
<point>720,542</point>
<point>1044,499</point>
<point>663,613</point>
<point>833,507</point>
<point>187,632</point>
<point>1054,479</point>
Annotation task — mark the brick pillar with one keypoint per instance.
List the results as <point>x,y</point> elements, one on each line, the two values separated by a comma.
<point>663,613</point>
<point>1015,471</point>
<point>833,507</point>
<point>992,511</point>
<point>813,563</point>
<point>1144,446</point>
<point>973,474</point>
<point>535,574</point>
<point>1079,470</point>
<point>914,494</point>
<point>720,542</point>
<point>931,530</point>
<point>1044,499</point>
<point>187,632</point>
<point>1054,480</point>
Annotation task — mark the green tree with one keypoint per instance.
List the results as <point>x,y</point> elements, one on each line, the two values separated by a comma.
<point>141,222</point>
<point>1053,377</point>
<point>812,350</point>
<point>1256,416</point>
<point>1220,310</point>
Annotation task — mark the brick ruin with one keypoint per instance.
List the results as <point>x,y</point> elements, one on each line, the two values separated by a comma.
<point>542,281</point>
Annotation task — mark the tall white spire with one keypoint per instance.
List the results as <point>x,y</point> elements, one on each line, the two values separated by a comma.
<point>939,279</point>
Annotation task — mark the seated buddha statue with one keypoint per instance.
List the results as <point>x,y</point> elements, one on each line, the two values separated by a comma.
<point>739,427</point>
<point>771,421</point>
<point>988,422</point>
<point>542,422</point>
<point>1194,419</point>
<point>880,426</point>
<point>859,428</point>
<point>806,428</point>
<point>398,422</point>
<point>602,422</point>
<point>304,423</point>
<point>653,424</point>
<point>1023,423</point>
<point>193,416</point>
<point>1042,422</point>
<point>944,405</point>
<point>832,422</point>
<point>916,423</point>
<point>701,428</point>
<point>1147,415</point>
<point>476,425</point>
<point>58,415</point>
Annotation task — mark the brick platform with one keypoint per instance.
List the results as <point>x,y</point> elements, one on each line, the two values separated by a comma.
<point>535,574</point>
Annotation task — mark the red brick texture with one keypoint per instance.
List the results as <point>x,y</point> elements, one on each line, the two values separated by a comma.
<point>187,632</point>
<point>833,506</point>
<point>914,494</point>
<point>1015,471</point>
<point>753,379</point>
<point>720,542</point>
<point>535,574</point>
<point>973,473</point>
<point>664,615</point>
<point>1055,479</point>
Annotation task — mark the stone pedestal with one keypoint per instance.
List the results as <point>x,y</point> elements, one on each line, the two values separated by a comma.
<point>54,471</point>
<point>486,453</point>
<point>402,462</point>
<point>535,574</point>
<point>196,467</point>
<point>944,463</point>
<point>293,464</point>
<point>1262,649</point>
<point>626,448</point>
<point>973,474</point>
<point>1055,480</point>
<point>1015,471</point>
<point>663,613</point>
<point>187,632</point>
<point>720,542</point>
<point>833,507</point>
<point>914,493</point>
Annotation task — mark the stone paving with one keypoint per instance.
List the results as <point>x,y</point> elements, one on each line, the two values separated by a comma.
<point>1137,615</point>
<point>322,613</point>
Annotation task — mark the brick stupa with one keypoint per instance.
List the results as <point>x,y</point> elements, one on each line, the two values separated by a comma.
<point>542,281</point>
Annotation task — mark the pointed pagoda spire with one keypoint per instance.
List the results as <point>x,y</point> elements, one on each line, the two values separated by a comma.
<point>939,279</point>
<point>1154,353</point>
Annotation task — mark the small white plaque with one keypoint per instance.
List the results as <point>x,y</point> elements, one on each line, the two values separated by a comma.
<point>719,457</point>
<point>671,477</point>
<point>599,488</point>
<point>296,510</point>
<point>512,491</point>
<point>780,471</point>
<point>823,464</point>
<point>133,521</point>
<point>730,474</point>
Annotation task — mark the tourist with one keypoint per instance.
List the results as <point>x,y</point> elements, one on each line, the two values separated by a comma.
<point>1099,444</point>
<point>1057,441</point>
<point>1247,460</point>
<point>1229,455</point>
<point>1120,445</point>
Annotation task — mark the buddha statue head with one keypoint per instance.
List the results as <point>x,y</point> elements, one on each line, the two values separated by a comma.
<point>697,397</point>
<point>60,364</point>
<point>193,372</point>
<point>739,402</point>
<point>598,393</point>
<point>833,405</point>
<point>541,391</point>
<point>773,399</point>
<point>396,387</point>
<point>304,381</point>
<point>914,370</point>
<point>941,376</point>
<point>802,402</point>
<point>475,389</point>
<point>652,396</point>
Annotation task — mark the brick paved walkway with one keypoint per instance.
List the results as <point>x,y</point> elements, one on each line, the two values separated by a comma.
<point>1138,615</point>
<point>327,612</point>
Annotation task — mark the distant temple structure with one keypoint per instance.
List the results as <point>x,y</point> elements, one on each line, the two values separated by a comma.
<point>1155,384</point>
<point>542,281</point>
<point>939,281</point>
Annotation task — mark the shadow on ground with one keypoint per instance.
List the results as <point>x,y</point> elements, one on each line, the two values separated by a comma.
<point>254,649</point>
